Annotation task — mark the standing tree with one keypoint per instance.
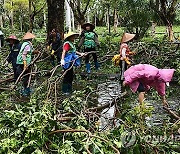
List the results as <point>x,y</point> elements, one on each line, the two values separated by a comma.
<point>35,7</point>
<point>55,15</point>
<point>166,10</point>
<point>79,9</point>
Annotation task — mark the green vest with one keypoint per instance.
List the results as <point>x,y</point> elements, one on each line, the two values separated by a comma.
<point>89,38</point>
<point>28,56</point>
<point>72,47</point>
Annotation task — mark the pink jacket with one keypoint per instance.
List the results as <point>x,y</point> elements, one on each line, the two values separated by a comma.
<point>149,76</point>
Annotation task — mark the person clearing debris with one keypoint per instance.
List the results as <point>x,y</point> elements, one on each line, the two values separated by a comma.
<point>89,40</point>
<point>69,59</point>
<point>24,59</point>
<point>124,58</point>
<point>142,77</point>
<point>15,47</point>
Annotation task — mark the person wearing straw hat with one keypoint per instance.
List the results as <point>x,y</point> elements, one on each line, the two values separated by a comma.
<point>89,40</point>
<point>55,46</point>
<point>15,46</point>
<point>24,59</point>
<point>125,54</point>
<point>69,59</point>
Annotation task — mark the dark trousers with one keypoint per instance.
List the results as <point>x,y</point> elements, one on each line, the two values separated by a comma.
<point>67,81</point>
<point>88,55</point>
<point>123,67</point>
<point>14,65</point>
<point>58,56</point>
<point>20,68</point>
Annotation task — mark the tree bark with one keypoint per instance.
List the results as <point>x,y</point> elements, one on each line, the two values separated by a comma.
<point>55,15</point>
<point>115,20</point>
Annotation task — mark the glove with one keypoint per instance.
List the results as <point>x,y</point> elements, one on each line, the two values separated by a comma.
<point>52,52</point>
<point>116,60</point>
<point>62,62</point>
<point>6,63</point>
<point>48,48</point>
<point>127,61</point>
<point>83,54</point>
<point>132,53</point>
<point>25,64</point>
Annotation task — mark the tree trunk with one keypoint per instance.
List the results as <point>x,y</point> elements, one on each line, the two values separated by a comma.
<point>1,21</point>
<point>153,29</point>
<point>44,14</point>
<point>108,20</point>
<point>30,16</point>
<point>170,32</point>
<point>68,16</point>
<point>55,15</point>
<point>115,20</point>
<point>11,17</point>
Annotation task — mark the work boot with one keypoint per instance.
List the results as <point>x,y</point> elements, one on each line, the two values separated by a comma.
<point>96,65</point>
<point>26,91</point>
<point>66,88</point>
<point>88,68</point>
<point>53,63</point>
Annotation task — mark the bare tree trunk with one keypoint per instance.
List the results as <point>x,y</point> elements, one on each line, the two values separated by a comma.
<point>1,21</point>
<point>68,15</point>
<point>153,29</point>
<point>44,19</point>
<point>30,16</point>
<point>72,17</point>
<point>115,20</point>
<point>170,32</point>
<point>108,20</point>
<point>55,15</point>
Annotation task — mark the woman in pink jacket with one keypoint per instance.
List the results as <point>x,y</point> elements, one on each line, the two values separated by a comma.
<point>143,76</point>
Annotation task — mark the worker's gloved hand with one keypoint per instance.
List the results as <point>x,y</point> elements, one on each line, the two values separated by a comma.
<point>52,52</point>
<point>83,54</point>
<point>48,48</point>
<point>62,62</point>
<point>6,63</point>
<point>25,64</point>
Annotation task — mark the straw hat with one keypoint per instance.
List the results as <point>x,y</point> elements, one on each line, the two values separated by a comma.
<point>87,24</point>
<point>70,34</point>
<point>12,37</point>
<point>127,37</point>
<point>28,36</point>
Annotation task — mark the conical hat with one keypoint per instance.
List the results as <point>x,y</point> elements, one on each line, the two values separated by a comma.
<point>12,37</point>
<point>69,34</point>
<point>28,36</point>
<point>127,37</point>
<point>87,24</point>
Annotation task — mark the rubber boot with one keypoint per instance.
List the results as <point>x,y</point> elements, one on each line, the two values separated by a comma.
<point>88,68</point>
<point>66,88</point>
<point>26,91</point>
<point>96,65</point>
<point>53,63</point>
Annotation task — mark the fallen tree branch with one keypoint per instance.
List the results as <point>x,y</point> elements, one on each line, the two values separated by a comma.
<point>172,113</point>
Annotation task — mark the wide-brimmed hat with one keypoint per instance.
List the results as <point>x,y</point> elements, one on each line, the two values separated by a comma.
<point>28,36</point>
<point>87,24</point>
<point>70,34</point>
<point>12,37</point>
<point>127,37</point>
